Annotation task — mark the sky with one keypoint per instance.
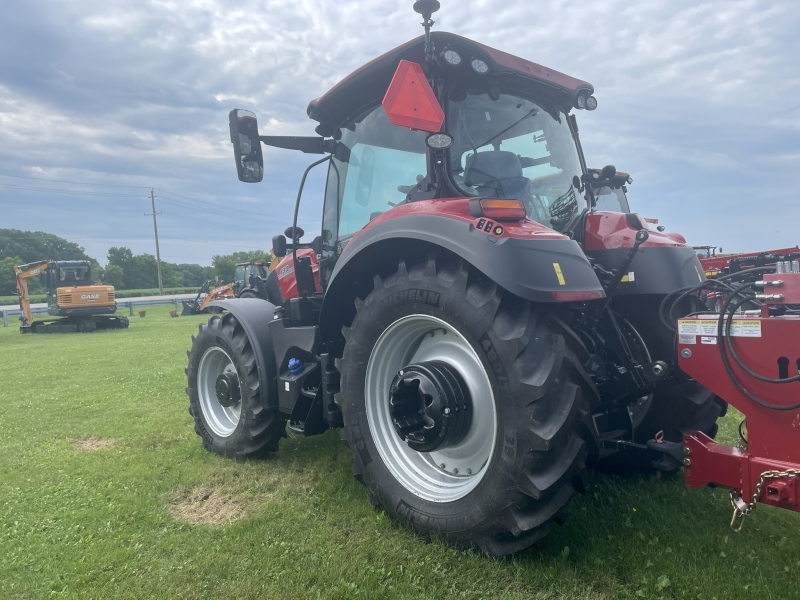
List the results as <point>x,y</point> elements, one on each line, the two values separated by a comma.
<point>103,100</point>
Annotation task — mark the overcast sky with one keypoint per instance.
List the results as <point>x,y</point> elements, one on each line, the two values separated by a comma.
<point>700,101</point>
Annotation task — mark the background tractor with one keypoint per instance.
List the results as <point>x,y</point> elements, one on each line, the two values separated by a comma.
<point>479,329</point>
<point>82,305</point>
<point>246,277</point>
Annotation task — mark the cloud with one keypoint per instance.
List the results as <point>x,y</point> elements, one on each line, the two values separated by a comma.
<point>698,100</point>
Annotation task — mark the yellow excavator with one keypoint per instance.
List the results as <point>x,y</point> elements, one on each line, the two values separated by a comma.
<point>71,295</point>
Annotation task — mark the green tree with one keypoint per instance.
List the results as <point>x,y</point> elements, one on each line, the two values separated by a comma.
<point>29,246</point>
<point>122,257</point>
<point>145,272</point>
<point>115,276</point>
<point>225,264</point>
<point>8,281</point>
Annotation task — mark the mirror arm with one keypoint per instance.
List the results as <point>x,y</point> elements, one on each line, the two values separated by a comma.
<point>308,145</point>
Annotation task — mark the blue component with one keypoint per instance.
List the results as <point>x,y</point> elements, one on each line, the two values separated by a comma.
<point>295,366</point>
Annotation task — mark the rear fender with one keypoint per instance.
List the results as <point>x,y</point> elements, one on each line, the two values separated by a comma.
<point>548,269</point>
<point>255,315</point>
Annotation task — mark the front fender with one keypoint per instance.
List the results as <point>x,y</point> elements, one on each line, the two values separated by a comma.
<point>533,269</point>
<point>255,315</point>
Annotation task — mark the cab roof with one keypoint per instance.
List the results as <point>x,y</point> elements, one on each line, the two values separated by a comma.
<point>370,82</point>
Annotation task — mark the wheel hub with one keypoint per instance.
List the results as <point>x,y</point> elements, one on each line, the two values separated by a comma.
<point>227,389</point>
<point>430,406</point>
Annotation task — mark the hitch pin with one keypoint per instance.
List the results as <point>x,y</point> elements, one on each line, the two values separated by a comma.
<point>740,513</point>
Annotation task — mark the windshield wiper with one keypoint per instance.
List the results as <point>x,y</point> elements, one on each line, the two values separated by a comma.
<point>533,112</point>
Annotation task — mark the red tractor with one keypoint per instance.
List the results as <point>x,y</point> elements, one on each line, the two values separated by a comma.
<point>476,328</point>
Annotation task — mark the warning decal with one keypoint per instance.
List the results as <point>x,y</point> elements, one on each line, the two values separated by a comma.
<point>559,274</point>
<point>707,327</point>
<point>685,338</point>
<point>697,327</point>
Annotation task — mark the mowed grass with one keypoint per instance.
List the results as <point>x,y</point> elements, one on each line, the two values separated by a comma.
<point>99,465</point>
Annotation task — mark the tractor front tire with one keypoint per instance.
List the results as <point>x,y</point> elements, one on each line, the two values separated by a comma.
<point>502,484</point>
<point>248,294</point>
<point>230,420</point>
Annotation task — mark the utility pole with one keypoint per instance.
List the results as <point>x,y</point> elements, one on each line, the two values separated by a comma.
<point>155,229</point>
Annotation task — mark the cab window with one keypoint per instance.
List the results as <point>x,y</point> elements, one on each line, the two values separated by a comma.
<point>373,168</point>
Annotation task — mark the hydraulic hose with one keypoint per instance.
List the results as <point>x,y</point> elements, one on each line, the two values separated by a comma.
<point>727,321</point>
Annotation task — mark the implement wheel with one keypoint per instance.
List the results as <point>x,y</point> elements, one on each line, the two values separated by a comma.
<point>224,388</point>
<point>463,407</point>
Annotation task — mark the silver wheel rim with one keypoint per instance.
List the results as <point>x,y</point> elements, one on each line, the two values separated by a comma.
<point>443,475</point>
<point>222,420</point>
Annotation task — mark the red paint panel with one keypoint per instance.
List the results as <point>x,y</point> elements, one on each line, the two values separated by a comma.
<point>286,277</point>
<point>410,101</point>
<point>458,208</point>
<point>610,230</point>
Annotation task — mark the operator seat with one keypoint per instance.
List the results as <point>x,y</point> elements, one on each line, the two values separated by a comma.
<point>497,173</point>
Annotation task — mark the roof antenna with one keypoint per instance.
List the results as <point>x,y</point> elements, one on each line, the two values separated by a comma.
<point>426,8</point>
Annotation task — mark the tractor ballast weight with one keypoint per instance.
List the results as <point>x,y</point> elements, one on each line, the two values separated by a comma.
<point>478,331</point>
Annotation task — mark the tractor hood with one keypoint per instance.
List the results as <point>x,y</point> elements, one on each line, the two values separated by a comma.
<point>370,82</point>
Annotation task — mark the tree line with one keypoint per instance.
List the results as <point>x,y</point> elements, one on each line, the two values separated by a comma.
<point>124,269</point>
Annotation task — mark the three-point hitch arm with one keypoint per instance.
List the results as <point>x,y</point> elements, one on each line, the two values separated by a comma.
<point>23,273</point>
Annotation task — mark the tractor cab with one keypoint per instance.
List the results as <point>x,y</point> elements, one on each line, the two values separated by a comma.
<point>440,117</point>
<point>245,278</point>
<point>609,189</point>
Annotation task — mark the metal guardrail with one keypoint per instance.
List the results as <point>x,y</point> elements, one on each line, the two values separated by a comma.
<point>129,302</point>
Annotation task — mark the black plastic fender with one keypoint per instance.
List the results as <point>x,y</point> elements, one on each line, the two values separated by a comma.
<point>255,315</point>
<point>524,267</point>
<point>656,269</point>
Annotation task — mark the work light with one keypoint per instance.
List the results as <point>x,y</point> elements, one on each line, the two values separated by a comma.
<point>479,66</point>
<point>451,57</point>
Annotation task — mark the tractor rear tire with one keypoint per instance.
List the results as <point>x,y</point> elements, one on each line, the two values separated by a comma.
<point>248,294</point>
<point>534,403</point>
<point>242,427</point>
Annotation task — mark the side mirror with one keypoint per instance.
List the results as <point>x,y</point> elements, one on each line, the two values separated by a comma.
<point>279,246</point>
<point>246,145</point>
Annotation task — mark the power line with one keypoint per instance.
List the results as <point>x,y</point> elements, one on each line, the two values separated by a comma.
<point>27,188</point>
<point>75,182</point>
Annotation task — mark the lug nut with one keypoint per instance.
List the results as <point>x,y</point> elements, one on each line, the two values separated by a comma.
<point>687,451</point>
<point>687,462</point>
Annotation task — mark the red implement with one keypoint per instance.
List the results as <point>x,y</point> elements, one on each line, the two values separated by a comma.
<point>767,468</point>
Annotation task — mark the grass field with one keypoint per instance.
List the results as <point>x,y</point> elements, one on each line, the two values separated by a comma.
<point>100,469</point>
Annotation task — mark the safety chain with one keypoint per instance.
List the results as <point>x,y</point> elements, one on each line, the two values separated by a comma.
<point>742,509</point>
